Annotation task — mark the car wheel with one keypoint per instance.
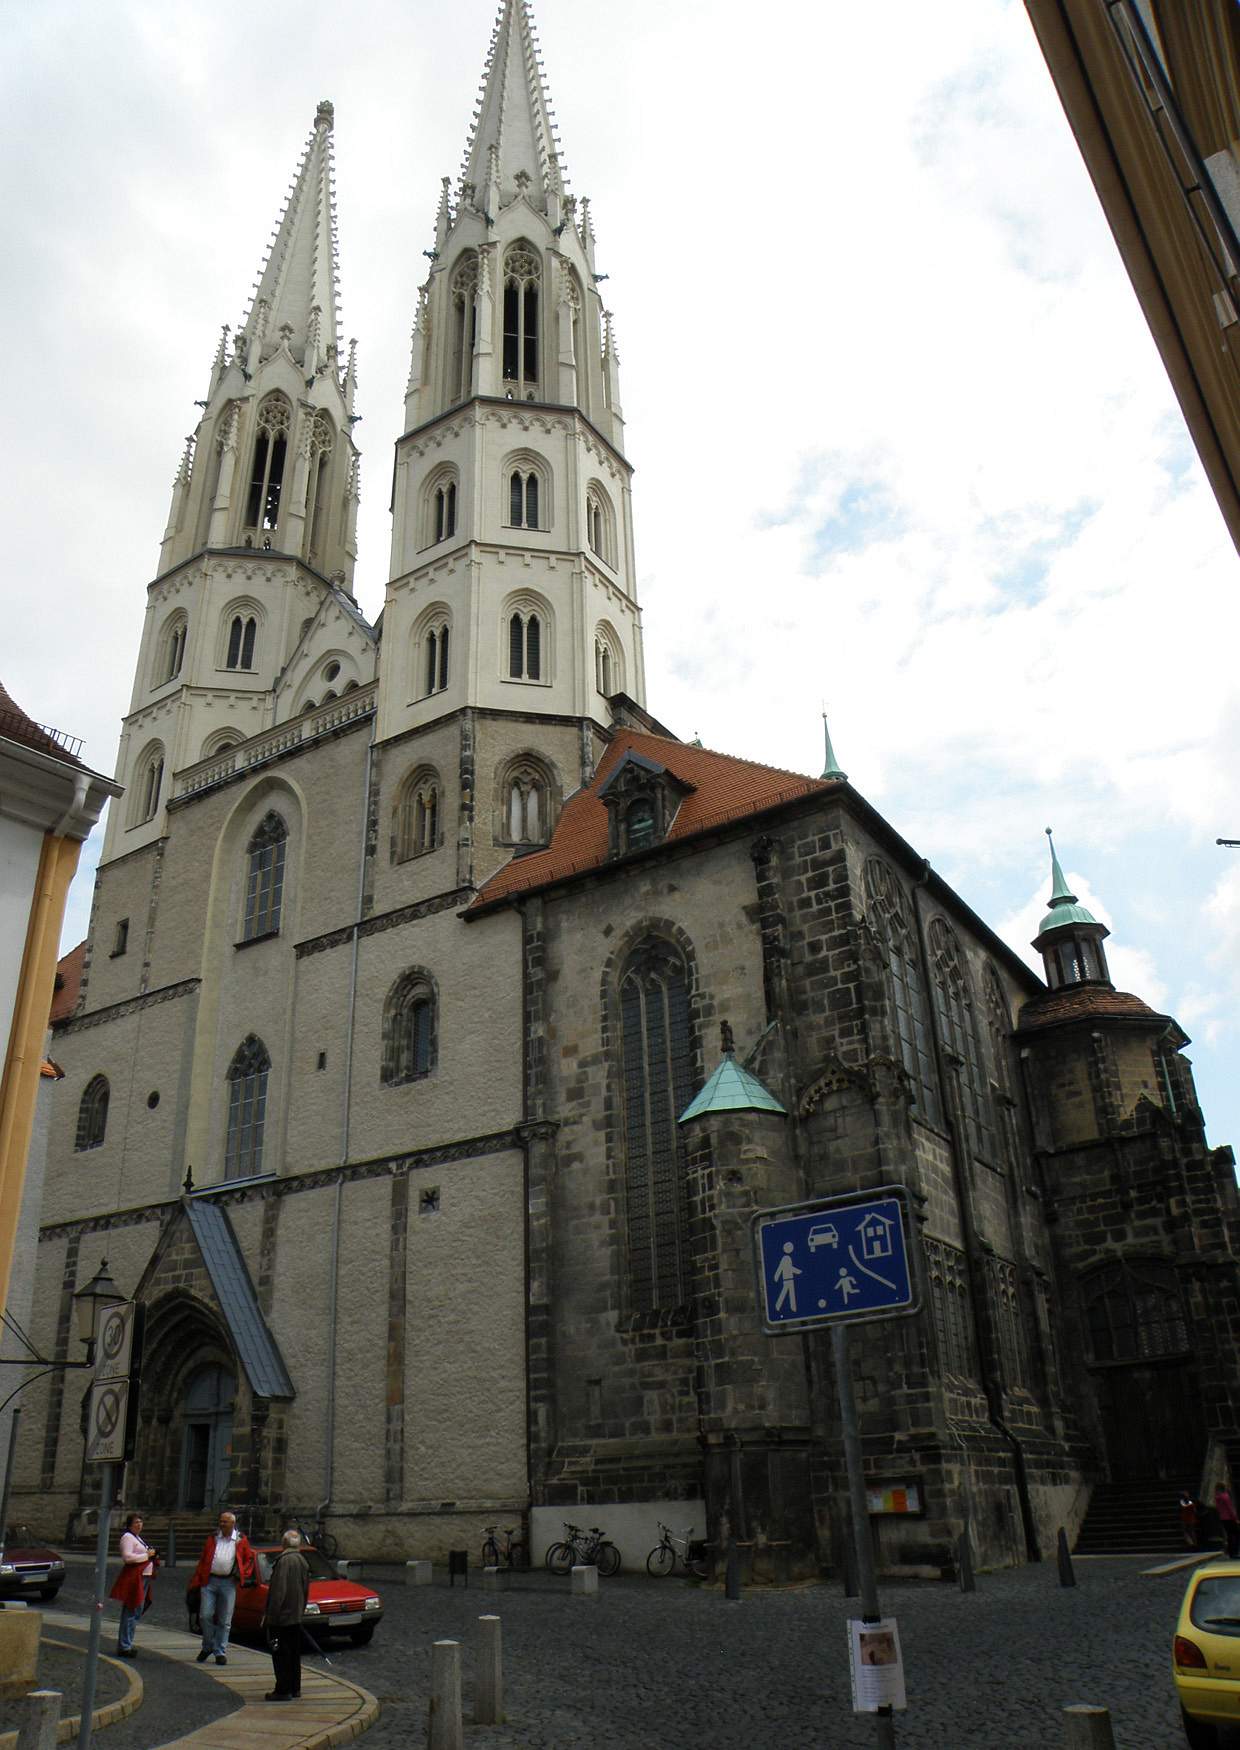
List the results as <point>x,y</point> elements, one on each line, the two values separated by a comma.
<point>1200,1734</point>
<point>49,1592</point>
<point>362,1637</point>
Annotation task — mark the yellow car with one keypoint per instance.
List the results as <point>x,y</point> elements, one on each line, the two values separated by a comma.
<point>1205,1656</point>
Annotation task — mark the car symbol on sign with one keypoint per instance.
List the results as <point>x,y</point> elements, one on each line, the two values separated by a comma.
<point>823,1234</point>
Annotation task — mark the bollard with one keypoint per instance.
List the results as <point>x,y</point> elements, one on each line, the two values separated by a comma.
<point>41,1723</point>
<point>418,1573</point>
<point>732,1574</point>
<point>444,1729</point>
<point>584,1582</point>
<point>1064,1557</point>
<point>492,1579</point>
<point>489,1687</point>
<point>170,1560</point>
<point>964,1563</point>
<point>1089,1728</point>
<point>347,1570</point>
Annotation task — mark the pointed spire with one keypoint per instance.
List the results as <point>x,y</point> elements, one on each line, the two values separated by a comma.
<point>299,275</point>
<point>513,132</point>
<point>831,767</point>
<point>1064,908</point>
<point>1070,938</point>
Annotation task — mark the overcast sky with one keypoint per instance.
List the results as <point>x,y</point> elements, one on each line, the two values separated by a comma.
<point>903,442</point>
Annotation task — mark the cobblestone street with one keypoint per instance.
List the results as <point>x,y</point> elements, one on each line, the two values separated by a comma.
<point>655,1664</point>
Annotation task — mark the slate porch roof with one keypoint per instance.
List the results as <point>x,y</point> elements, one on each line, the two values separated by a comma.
<point>256,1347</point>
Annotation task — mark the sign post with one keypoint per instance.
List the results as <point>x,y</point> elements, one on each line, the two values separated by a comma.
<point>111,1428</point>
<point>837,1262</point>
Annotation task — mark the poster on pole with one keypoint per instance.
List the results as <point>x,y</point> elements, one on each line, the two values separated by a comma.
<point>875,1665</point>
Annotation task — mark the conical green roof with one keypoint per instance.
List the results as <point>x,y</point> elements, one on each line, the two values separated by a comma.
<point>831,767</point>
<point>731,1089</point>
<point>1065,908</point>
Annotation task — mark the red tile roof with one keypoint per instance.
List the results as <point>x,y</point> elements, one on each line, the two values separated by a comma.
<point>68,984</point>
<point>16,726</point>
<point>724,789</point>
<point>1084,1002</point>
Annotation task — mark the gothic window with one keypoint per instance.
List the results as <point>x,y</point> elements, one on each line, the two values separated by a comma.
<point>262,505</point>
<point>172,649</point>
<point>958,1035</point>
<point>1013,1351</point>
<point>264,878</point>
<point>521,284</point>
<point>435,658</point>
<point>608,667</point>
<point>526,799</point>
<point>409,1028</point>
<point>247,1109</point>
<point>439,507</point>
<point>417,827</point>
<point>464,325</point>
<point>148,782</point>
<point>1134,1311</point>
<point>319,439</point>
<point>92,1120</point>
<point>906,988</point>
<point>523,499</point>
<point>950,1310</point>
<point>524,647</point>
<point>599,527</point>
<point>658,1083</point>
<point>242,631</point>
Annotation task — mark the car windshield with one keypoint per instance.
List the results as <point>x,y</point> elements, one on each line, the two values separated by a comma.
<point>320,1568</point>
<point>1216,1604</point>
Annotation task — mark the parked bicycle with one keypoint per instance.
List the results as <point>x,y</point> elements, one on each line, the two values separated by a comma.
<point>512,1555</point>
<point>318,1535</point>
<point>588,1549</point>
<point>687,1552</point>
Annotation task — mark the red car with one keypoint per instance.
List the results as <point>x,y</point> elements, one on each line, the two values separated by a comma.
<point>30,1570</point>
<point>335,1606</point>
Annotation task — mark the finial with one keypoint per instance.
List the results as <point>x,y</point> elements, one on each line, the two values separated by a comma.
<point>324,115</point>
<point>831,768</point>
<point>188,1186</point>
<point>726,1042</point>
<point>1060,891</point>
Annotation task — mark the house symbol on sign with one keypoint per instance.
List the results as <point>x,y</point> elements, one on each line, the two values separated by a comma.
<point>875,1236</point>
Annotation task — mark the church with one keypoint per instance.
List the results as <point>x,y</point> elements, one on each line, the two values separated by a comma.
<point>445,1019</point>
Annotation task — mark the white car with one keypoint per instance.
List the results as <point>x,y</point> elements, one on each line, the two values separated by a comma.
<point>824,1233</point>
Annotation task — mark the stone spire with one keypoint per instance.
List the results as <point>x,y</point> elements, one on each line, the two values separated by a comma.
<point>512,140</point>
<point>297,296</point>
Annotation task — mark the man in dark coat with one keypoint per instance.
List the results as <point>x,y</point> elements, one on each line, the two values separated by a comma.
<point>287,1593</point>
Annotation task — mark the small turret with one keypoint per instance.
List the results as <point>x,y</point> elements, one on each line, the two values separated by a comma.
<point>1069,938</point>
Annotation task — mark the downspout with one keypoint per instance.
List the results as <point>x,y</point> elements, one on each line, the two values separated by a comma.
<point>345,1115</point>
<point>991,1383</point>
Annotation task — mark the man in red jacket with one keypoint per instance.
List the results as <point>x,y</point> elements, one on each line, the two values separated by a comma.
<point>226,1561</point>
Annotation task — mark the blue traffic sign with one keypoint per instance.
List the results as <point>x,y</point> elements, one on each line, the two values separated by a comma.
<point>833,1261</point>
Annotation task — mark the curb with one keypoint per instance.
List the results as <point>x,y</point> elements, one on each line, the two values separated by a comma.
<point>108,1715</point>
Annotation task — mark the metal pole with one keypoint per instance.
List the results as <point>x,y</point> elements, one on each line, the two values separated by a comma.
<point>8,1477</point>
<point>886,1734</point>
<point>96,1615</point>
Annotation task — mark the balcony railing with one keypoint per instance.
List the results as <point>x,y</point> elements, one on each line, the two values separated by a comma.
<point>245,755</point>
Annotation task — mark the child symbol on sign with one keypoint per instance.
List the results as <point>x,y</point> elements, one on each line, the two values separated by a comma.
<point>846,1285</point>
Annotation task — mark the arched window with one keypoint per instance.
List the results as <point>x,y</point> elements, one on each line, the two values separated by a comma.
<point>262,505</point>
<point>417,827</point>
<point>92,1121</point>
<point>526,802</point>
<point>958,1034</point>
<point>1134,1311</point>
<point>247,1109</point>
<point>219,741</point>
<point>948,1276</point>
<point>889,915</point>
<point>521,282</point>
<point>608,666</point>
<point>523,499</point>
<point>148,782</point>
<point>437,658</point>
<point>439,507</point>
<point>172,649</point>
<point>409,1028</point>
<point>241,635</point>
<point>319,441</point>
<point>264,878</point>
<point>524,647</point>
<point>464,325</point>
<point>599,527</point>
<point>445,511</point>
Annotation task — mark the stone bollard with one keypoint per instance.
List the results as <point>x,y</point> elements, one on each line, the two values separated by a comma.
<point>964,1562</point>
<point>489,1686</point>
<point>418,1573</point>
<point>41,1722</point>
<point>1089,1728</point>
<point>444,1729</point>
<point>585,1582</point>
<point>349,1570</point>
<point>492,1579</point>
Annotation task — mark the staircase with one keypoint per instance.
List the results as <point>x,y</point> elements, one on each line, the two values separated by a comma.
<point>1132,1518</point>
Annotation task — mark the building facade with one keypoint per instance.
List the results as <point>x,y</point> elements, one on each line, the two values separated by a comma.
<point>414,944</point>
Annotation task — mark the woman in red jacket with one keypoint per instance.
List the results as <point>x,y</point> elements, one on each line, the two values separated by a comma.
<point>132,1587</point>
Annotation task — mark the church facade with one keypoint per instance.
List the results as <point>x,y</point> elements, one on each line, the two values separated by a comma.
<point>413,944</point>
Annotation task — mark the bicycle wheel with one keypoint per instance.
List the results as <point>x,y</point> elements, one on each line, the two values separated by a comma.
<point>699,1567</point>
<point>326,1544</point>
<point>560,1558</point>
<point>607,1560</point>
<point>490,1553</point>
<point>660,1562</point>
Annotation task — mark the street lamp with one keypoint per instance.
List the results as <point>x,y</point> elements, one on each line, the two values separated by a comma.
<point>89,1302</point>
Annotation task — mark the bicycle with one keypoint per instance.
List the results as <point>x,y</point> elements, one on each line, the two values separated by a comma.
<point>513,1552</point>
<point>320,1538</point>
<point>588,1549</point>
<point>687,1550</point>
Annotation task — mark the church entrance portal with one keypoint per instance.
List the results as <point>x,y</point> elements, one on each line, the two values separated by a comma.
<point>206,1438</point>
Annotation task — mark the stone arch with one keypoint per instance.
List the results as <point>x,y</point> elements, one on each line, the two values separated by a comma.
<point>527,638</point>
<point>184,1334</point>
<point>527,800</point>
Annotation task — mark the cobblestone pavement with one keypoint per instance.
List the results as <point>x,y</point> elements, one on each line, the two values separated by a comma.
<point>664,1663</point>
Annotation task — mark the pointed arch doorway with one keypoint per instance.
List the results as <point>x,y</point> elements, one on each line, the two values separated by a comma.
<point>206,1417</point>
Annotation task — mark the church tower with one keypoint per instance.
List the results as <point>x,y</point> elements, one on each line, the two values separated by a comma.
<point>252,603</point>
<point>512,594</point>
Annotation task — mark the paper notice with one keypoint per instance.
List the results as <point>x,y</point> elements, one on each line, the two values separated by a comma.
<point>875,1665</point>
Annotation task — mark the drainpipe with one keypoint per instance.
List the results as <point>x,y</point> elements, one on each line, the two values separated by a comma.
<point>991,1383</point>
<point>345,1115</point>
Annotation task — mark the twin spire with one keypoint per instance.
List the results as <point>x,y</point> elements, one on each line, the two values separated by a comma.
<point>512,147</point>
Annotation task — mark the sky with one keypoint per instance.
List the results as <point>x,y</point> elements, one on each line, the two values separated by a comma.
<point>904,445</point>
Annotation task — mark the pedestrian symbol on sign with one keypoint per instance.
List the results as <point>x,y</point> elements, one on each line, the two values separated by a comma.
<point>784,1273</point>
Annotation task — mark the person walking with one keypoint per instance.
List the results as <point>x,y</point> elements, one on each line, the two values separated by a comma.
<point>287,1591</point>
<point>132,1586</point>
<point>1188,1519</point>
<point>226,1561</point>
<point>1225,1507</point>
